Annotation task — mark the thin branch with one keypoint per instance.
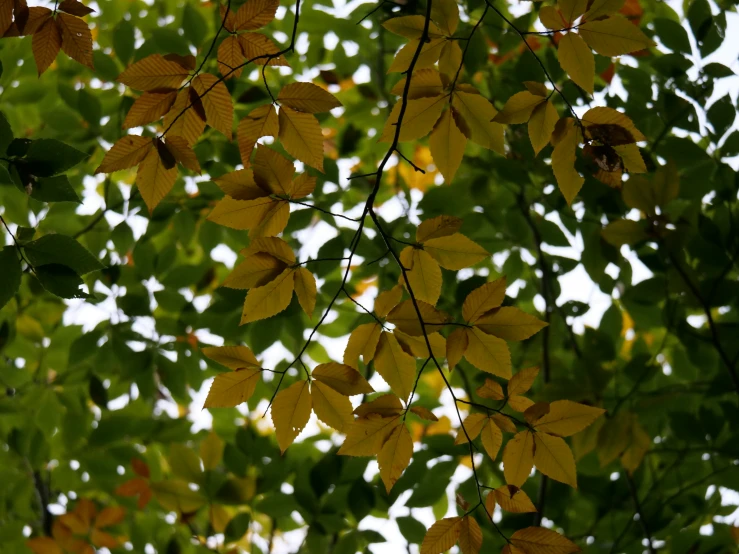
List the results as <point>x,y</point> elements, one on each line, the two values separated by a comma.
<point>640,512</point>
<point>318,208</point>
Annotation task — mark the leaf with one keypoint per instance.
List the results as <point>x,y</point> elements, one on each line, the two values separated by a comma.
<point>44,545</point>
<point>270,299</point>
<point>483,299</point>
<point>307,97</point>
<point>260,122</point>
<point>535,412</point>
<point>419,118</point>
<point>211,451</point>
<point>563,163</point>
<point>395,455</point>
<point>424,413</point>
<point>611,127</point>
<point>565,418</point>
<point>614,36</point>
<point>387,405</point>
<point>290,412</point>
<point>301,136</point>
<point>488,353</point>
<point>230,57</point>
<point>150,106</point>
<point>510,324</point>
<point>478,114</point>
<point>424,275</point>
<point>455,252</point>
<point>554,458</point>
<point>182,153</point>
<point>362,342</point>
<point>273,246</point>
<point>411,26</point>
<point>75,8</point>
<point>233,357</point>
<point>470,536</point>
<point>50,157</point>
<point>450,59</point>
<point>430,52</point>
<point>255,271</point>
<point>259,215</point>
<point>456,345</point>
<point>153,73</point>
<point>76,39</point>
<point>551,18</point>
<point>261,50</point>
<point>425,83</point>
<point>272,171</point>
<point>187,116</point>
<point>47,41</point>
<point>61,249</point>
<point>216,99</point>
<point>518,458</point>
<point>231,389</point>
<point>154,178</point>
<point>491,389</point>
<point>577,61</point>
<point>397,368</point>
<point>405,318</point>
<point>441,226</point>
<point>447,144</point>
<point>446,15</point>
<point>305,289</point>
<point>624,231</point>
<point>599,8</point>
<point>366,435</point>
<point>470,428</point>
<point>492,438</point>
<point>521,382</point>
<point>387,300</point>
<point>541,125</point>
<point>514,500</point>
<point>519,107</point>
<point>10,277</point>
<point>255,14</point>
<point>442,536</point>
<point>177,496</point>
<point>343,378</point>
<point>539,540</point>
<point>416,346</point>
<point>332,408</point>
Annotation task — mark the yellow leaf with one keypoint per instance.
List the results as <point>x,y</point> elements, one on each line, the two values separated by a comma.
<point>148,107</point>
<point>541,125</point>
<point>442,535</point>
<point>424,413</point>
<point>261,50</point>
<point>577,61</point>
<point>455,252</point>
<point>572,9</point>
<point>520,403</point>
<point>76,38</point>
<point>554,458</point>
<point>273,246</point>
<point>490,504</point>
<point>491,389</point>
<point>522,381</point>
<point>231,389</point>
<point>614,36</point>
<point>397,368</point>
<point>411,26</point>
<point>301,136</point>
<point>518,458</point>
<point>255,271</point>
<point>440,226</point>
<point>270,299</point>
<point>247,214</point>
<point>255,14</point>
<point>492,438</point>
<point>395,455</point>
<point>424,274</point>
<point>362,342</point>
<point>470,428</point>
<point>219,111</point>
<point>307,97</point>
<point>540,540</point>
<point>182,153</point>
<point>446,15</point>
<point>566,418</point>
<point>154,178</point>
<point>332,408</point>
<point>483,299</point>
<point>512,499</point>
<point>416,346</point>
<point>233,357</point>
<point>563,163</point>
<point>405,318</point>
<point>470,536</point>
<point>488,353</point>
<point>510,324</point>
<point>535,412</point>
<point>631,158</point>
<point>456,345</point>
<point>387,405</point>
<point>478,114</point>
<point>599,8</point>
<point>519,107</point>
<point>611,127</point>
<point>260,122</point>
<point>305,289</point>
<point>211,451</point>
<point>425,82</point>
<point>387,300</point>
<point>273,172</point>
<point>447,144</point>
<point>504,422</point>
<point>127,152</point>
<point>153,73</point>
<point>418,119</point>
<point>290,412</point>
<point>302,186</point>
<point>343,378</point>
<point>366,435</point>
<point>430,53</point>
<point>47,41</point>
<point>450,59</point>
<point>187,116</point>
<point>230,57</point>
<point>551,18</point>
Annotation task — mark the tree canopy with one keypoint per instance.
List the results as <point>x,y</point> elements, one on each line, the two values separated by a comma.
<point>311,277</point>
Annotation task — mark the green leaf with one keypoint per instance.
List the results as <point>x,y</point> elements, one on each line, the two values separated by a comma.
<point>63,250</point>
<point>412,530</point>
<point>60,280</point>
<point>49,157</point>
<point>10,276</point>
<point>124,41</point>
<point>6,134</point>
<point>237,527</point>
<point>54,189</point>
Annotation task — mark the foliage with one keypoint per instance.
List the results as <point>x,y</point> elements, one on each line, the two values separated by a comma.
<point>412,297</point>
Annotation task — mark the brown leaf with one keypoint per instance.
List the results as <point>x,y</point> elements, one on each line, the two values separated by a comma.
<point>76,39</point>
<point>47,42</point>
<point>75,8</point>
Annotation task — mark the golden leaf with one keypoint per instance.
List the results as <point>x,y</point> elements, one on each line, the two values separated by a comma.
<point>424,83</point>
<point>397,368</point>
<point>566,418</point>
<point>522,381</point>
<point>332,408</point>
<point>76,38</point>
<point>255,14</point>
<point>231,389</point>
<point>270,299</point>
<point>182,152</point>
<point>273,172</point>
<point>456,345</point>
<point>411,26</point>
<point>47,41</point>
<point>155,177</point>
<point>541,125</point>
<point>470,428</point>
<point>366,435</point>
<point>127,152</point>
<point>343,378</point>
<point>572,9</point>
<point>387,300</point>
<point>307,97</point>
<point>424,274</point>
<point>599,8</point>
<point>440,226</point>
<point>455,252</point>
<point>405,318</point>
<point>430,53</point>
<point>492,438</point>
<point>424,413</point>
<point>187,116</point>
<point>447,144</point>
<point>519,107</point>
<point>418,119</point>
<point>488,353</point>
<point>149,107</point>
<point>273,246</point>
<point>551,18</point>
<point>491,389</point>
<point>230,57</point>
<point>450,59</point>
<point>153,73</point>
<point>442,535</point>
<point>290,412</point>
<point>362,342</point>
<point>563,162</point>
<point>261,50</point>
<point>510,324</point>
<point>301,136</point>
<point>211,451</point>
<point>478,113</point>
<point>470,536</point>
<point>518,458</point>
<point>260,122</point>
<point>536,540</point>
<point>387,405</point>
<point>614,36</point>
<point>395,455</point>
<point>234,357</point>
<point>554,458</point>
<point>483,299</point>
<point>305,290</point>
<point>512,499</point>
<point>216,100</point>
<point>577,61</point>
<point>446,15</point>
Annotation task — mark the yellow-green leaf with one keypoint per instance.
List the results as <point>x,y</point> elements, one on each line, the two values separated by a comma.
<point>483,299</point>
<point>541,125</point>
<point>478,114</point>
<point>342,378</point>
<point>231,389</point>
<point>577,61</point>
<point>519,107</point>
<point>290,412</point>
<point>447,144</point>
<point>614,36</point>
<point>301,136</point>
<point>470,428</point>
<point>366,435</point>
<point>554,458</point>
<point>455,252</point>
<point>510,324</point>
<point>270,299</point>
<point>566,418</point>
<point>492,438</point>
<point>418,119</point>
<point>397,368</point>
<point>563,163</point>
<point>233,357</point>
<point>305,289</point>
<point>395,455</point>
<point>362,342</point>
<point>334,409</point>
<point>518,458</point>
<point>424,274</point>
<point>411,26</point>
<point>488,353</point>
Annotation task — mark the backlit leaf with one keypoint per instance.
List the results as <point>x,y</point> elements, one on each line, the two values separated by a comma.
<point>395,456</point>
<point>518,458</point>
<point>290,412</point>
